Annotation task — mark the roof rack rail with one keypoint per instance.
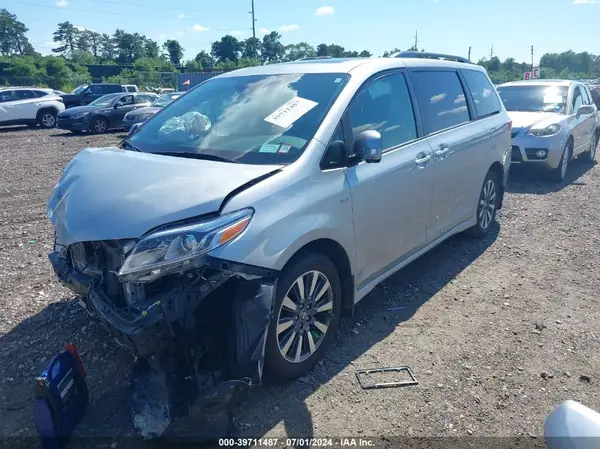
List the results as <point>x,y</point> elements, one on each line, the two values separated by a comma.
<point>309,58</point>
<point>427,55</point>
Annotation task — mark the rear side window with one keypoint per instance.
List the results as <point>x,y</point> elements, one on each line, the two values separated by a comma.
<point>111,89</point>
<point>96,90</point>
<point>384,105</point>
<point>483,93</point>
<point>586,95</point>
<point>24,94</point>
<point>40,93</point>
<point>441,98</point>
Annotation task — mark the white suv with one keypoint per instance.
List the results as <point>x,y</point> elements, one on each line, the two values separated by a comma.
<point>29,106</point>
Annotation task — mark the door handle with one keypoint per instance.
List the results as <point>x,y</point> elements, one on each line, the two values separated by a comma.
<point>442,152</point>
<point>422,158</point>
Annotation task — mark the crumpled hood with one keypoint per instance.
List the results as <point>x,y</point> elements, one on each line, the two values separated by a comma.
<point>110,193</point>
<point>539,119</point>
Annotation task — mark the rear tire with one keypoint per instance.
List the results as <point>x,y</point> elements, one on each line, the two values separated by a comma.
<point>46,118</point>
<point>560,173</point>
<point>99,125</point>
<point>299,334</point>
<point>487,206</point>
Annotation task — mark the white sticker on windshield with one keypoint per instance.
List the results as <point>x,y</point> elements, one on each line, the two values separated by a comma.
<point>269,148</point>
<point>290,112</point>
<point>553,99</point>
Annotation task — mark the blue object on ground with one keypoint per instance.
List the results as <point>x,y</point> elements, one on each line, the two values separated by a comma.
<point>61,398</point>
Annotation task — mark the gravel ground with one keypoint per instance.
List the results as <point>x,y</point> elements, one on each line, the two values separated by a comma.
<point>496,331</point>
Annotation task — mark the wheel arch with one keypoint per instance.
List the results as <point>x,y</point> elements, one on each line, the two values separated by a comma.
<point>46,108</point>
<point>338,255</point>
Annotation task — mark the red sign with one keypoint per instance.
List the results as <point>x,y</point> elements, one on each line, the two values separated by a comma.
<point>527,76</point>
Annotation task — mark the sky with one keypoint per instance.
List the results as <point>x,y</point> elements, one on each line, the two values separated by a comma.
<point>511,27</point>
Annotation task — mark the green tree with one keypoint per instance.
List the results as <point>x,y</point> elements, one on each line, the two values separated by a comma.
<point>205,60</point>
<point>129,47</point>
<point>272,50</point>
<point>108,51</point>
<point>390,52</point>
<point>175,51</point>
<point>192,66</point>
<point>252,47</point>
<point>13,40</point>
<point>365,54</point>
<point>151,49</point>
<point>25,67</point>
<point>90,41</point>
<point>226,49</point>
<point>300,50</point>
<point>333,50</point>
<point>67,37</point>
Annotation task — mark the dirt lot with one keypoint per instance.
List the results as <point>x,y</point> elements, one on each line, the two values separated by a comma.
<point>496,331</point>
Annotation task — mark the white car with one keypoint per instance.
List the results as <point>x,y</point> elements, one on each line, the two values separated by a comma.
<point>29,106</point>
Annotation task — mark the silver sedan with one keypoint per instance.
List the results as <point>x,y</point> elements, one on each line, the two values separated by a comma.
<point>553,121</point>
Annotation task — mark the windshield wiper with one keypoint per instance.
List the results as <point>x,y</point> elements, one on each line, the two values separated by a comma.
<point>202,156</point>
<point>126,143</point>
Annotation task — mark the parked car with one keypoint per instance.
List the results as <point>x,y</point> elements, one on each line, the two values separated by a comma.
<point>29,106</point>
<point>130,88</point>
<point>143,114</point>
<point>554,121</point>
<point>86,93</point>
<point>263,204</point>
<point>103,114</point>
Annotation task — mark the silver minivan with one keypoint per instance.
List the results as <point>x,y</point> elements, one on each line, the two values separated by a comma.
<point>252,213</point>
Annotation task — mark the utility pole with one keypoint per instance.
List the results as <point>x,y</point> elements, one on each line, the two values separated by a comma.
<point>469,57</point>
<point>253,21</point>
<point>532,59</point>
<point>492,52</point>
<point>416,40</point>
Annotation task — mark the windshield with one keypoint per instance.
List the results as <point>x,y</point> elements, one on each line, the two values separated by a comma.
<point>534,98</point>
<point>105,100</point>
<point>164,100</point>
<point>258,119</point>
<point>79,89</point>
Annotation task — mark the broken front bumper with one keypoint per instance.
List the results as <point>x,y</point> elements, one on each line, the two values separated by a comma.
<point>200,342</point>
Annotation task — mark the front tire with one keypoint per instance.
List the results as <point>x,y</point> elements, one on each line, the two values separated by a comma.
<point>305,318</point>
<point>560,173</point>
<point>487,206</point>
<point>590,156</point>
<point>47,118</point>
<point>99,125</point>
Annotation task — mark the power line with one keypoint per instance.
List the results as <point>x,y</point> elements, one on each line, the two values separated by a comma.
<point>140,5</point>
<point>120,14</point>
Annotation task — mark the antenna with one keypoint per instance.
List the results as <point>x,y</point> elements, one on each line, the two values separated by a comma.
<point>469,57</point>
<point>416,40</point>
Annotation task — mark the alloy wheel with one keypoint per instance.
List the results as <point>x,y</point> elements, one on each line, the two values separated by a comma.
<point>99,126</point>
<point>304,316</point>
<point>48,120</point>
<point>565,163</point>
<point>487,204</point>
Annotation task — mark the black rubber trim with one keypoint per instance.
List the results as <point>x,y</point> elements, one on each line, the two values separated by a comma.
<point>243,187</point>
<point>236,267</point>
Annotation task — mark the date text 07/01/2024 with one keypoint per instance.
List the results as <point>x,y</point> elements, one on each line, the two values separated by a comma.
<point>296,442</point>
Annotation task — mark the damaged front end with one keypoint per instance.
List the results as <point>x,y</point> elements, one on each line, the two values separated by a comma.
<point>197,325</point>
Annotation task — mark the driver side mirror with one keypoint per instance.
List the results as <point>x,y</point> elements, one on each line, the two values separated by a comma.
<point>368,146</point>
<point>585,110</point>
<point>117,105</point>
<point>87,93</point>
